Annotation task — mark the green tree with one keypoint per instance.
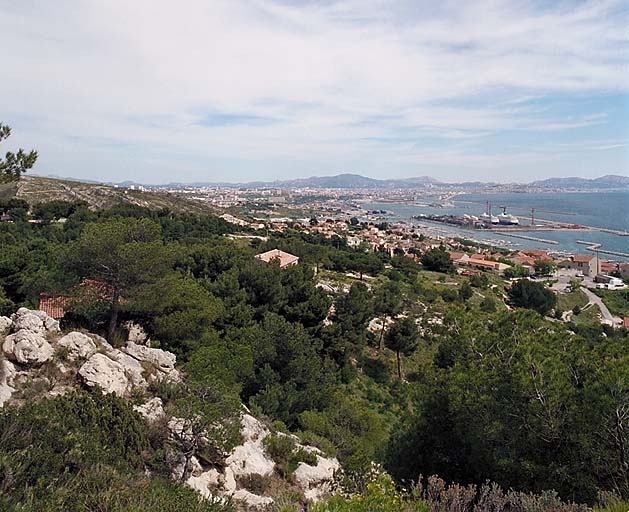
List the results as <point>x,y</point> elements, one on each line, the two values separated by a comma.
<point>14,164</point>
<point>532,295</point>
<point>122,254</point>
<point>403,339</point>
<point>544,267</point>
<point>209,423</point>
<point>465,292</point>
<point>488,305</point>
<point>387,302</point>
<point>438,260</point>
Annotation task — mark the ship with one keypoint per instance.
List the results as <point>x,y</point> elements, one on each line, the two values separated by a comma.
<point>487,217</point>
<point>507,219</point>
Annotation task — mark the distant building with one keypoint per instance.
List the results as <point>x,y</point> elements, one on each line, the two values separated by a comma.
<point>459,258</point>
<point>584,263</point>
<point>479,262</point>
<point>623,268</point>
<point>285,259</point>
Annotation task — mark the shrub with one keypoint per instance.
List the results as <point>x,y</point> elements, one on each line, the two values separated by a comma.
<point>279,447</point>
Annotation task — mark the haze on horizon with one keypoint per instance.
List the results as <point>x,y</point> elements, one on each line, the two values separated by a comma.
<point>227,90</point>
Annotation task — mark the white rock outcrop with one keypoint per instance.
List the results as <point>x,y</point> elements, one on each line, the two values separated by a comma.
<point>316,481</point>
<point>160,359</point>
<point>132,368</point>
<point>206,483</point>
<point>153,410</point>
<point>35,321</point>
<point>250,457</point>
<point>105,373</point>
<point>7,373</point>
<point>79,345</point>
<point>5,323</point>
<point>254,501</point>
<point>27,347</point>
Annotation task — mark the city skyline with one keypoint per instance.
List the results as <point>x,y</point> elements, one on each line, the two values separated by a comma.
<point>264,90</point>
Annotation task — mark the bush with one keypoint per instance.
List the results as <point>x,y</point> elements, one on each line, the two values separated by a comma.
<point>531,295</point>
<point>279,447</point>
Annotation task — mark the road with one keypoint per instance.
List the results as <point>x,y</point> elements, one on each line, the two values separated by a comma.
<point>595,299</point>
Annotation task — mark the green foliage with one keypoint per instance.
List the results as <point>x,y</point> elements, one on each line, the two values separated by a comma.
<point>352,426</point>
<point>544,267</point>
<point>14,164</point>
<point>488,305</point>
<point>532,295</point>
<point>465,291</point>
<point>381,494</point>
<point>516,271</point>
<point>438,260</point>
<point>403,339</point>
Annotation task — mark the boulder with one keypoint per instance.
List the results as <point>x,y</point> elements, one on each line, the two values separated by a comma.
<point>252,500</point>
<point>162,360</point>
<point>153,410</point>
<point>28,320</point>
<point>35,321</point>
<point>105,373</point>
<point>250,458</point>
<point>27,347</point>
<point>316,481</point>
<point>78,345</point>
<point>132,368</point>
<point>205,482</point>
<point>7,373</point>
<point>5,323</point>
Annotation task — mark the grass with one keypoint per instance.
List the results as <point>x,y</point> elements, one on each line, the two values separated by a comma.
<point>616,300</point>
<point>567,301</point>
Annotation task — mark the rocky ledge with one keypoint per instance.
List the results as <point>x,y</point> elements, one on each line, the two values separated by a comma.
<point>38,359</point>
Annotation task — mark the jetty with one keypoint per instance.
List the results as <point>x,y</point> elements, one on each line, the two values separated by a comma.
<point>596,247</point>
<point>527,237</point>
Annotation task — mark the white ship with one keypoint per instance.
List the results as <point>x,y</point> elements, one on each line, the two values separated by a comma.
<point>506,218</point>
<point>487,217</point>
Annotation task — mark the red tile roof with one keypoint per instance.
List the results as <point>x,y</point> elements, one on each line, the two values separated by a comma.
<point>54,306</point>
<point>284,258</point>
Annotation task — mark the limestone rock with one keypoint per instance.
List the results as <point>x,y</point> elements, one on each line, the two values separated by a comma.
<point>137,334</point>
<point>35,321</point>
<point>250,458</point>
<point>27,347</point>
<point>316,481</point>
<point>5,324</point>
<point>162,360</point>
<point>252,500</point>
<point>105,373</point>
<point>153,410</point>
<point>132,368</point>
<point>78,345</point>
<point>7,373</point>
<point>28,320</point>
<point>205,482</point>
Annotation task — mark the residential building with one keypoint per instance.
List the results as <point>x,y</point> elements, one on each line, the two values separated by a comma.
<point>584,263</point>
<point>285,259</point>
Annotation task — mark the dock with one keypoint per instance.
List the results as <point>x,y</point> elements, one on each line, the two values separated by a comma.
<point>596,247</point>
<point>527,237</point>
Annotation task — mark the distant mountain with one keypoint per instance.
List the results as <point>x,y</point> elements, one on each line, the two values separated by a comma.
<point>337,181</point>
<point>608,181</point>
<point>357,181</point>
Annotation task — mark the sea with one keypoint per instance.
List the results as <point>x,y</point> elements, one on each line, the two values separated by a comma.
<point>608,210</point>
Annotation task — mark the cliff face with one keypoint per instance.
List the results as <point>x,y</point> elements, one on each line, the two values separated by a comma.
<point>41,361</point>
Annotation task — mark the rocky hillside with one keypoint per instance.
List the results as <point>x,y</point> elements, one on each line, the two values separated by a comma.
<point>41,361</point>
<point>35,189</point>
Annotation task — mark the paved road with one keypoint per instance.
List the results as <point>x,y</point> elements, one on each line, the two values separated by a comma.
<point>592,297</point>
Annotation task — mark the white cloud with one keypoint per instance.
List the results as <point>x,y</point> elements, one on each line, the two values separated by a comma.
<point>144,74</point>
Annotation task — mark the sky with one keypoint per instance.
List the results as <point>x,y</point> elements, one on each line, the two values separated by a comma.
<point>157,91</point>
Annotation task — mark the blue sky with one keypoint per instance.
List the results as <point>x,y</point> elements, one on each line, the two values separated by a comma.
<point>157,91</point>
